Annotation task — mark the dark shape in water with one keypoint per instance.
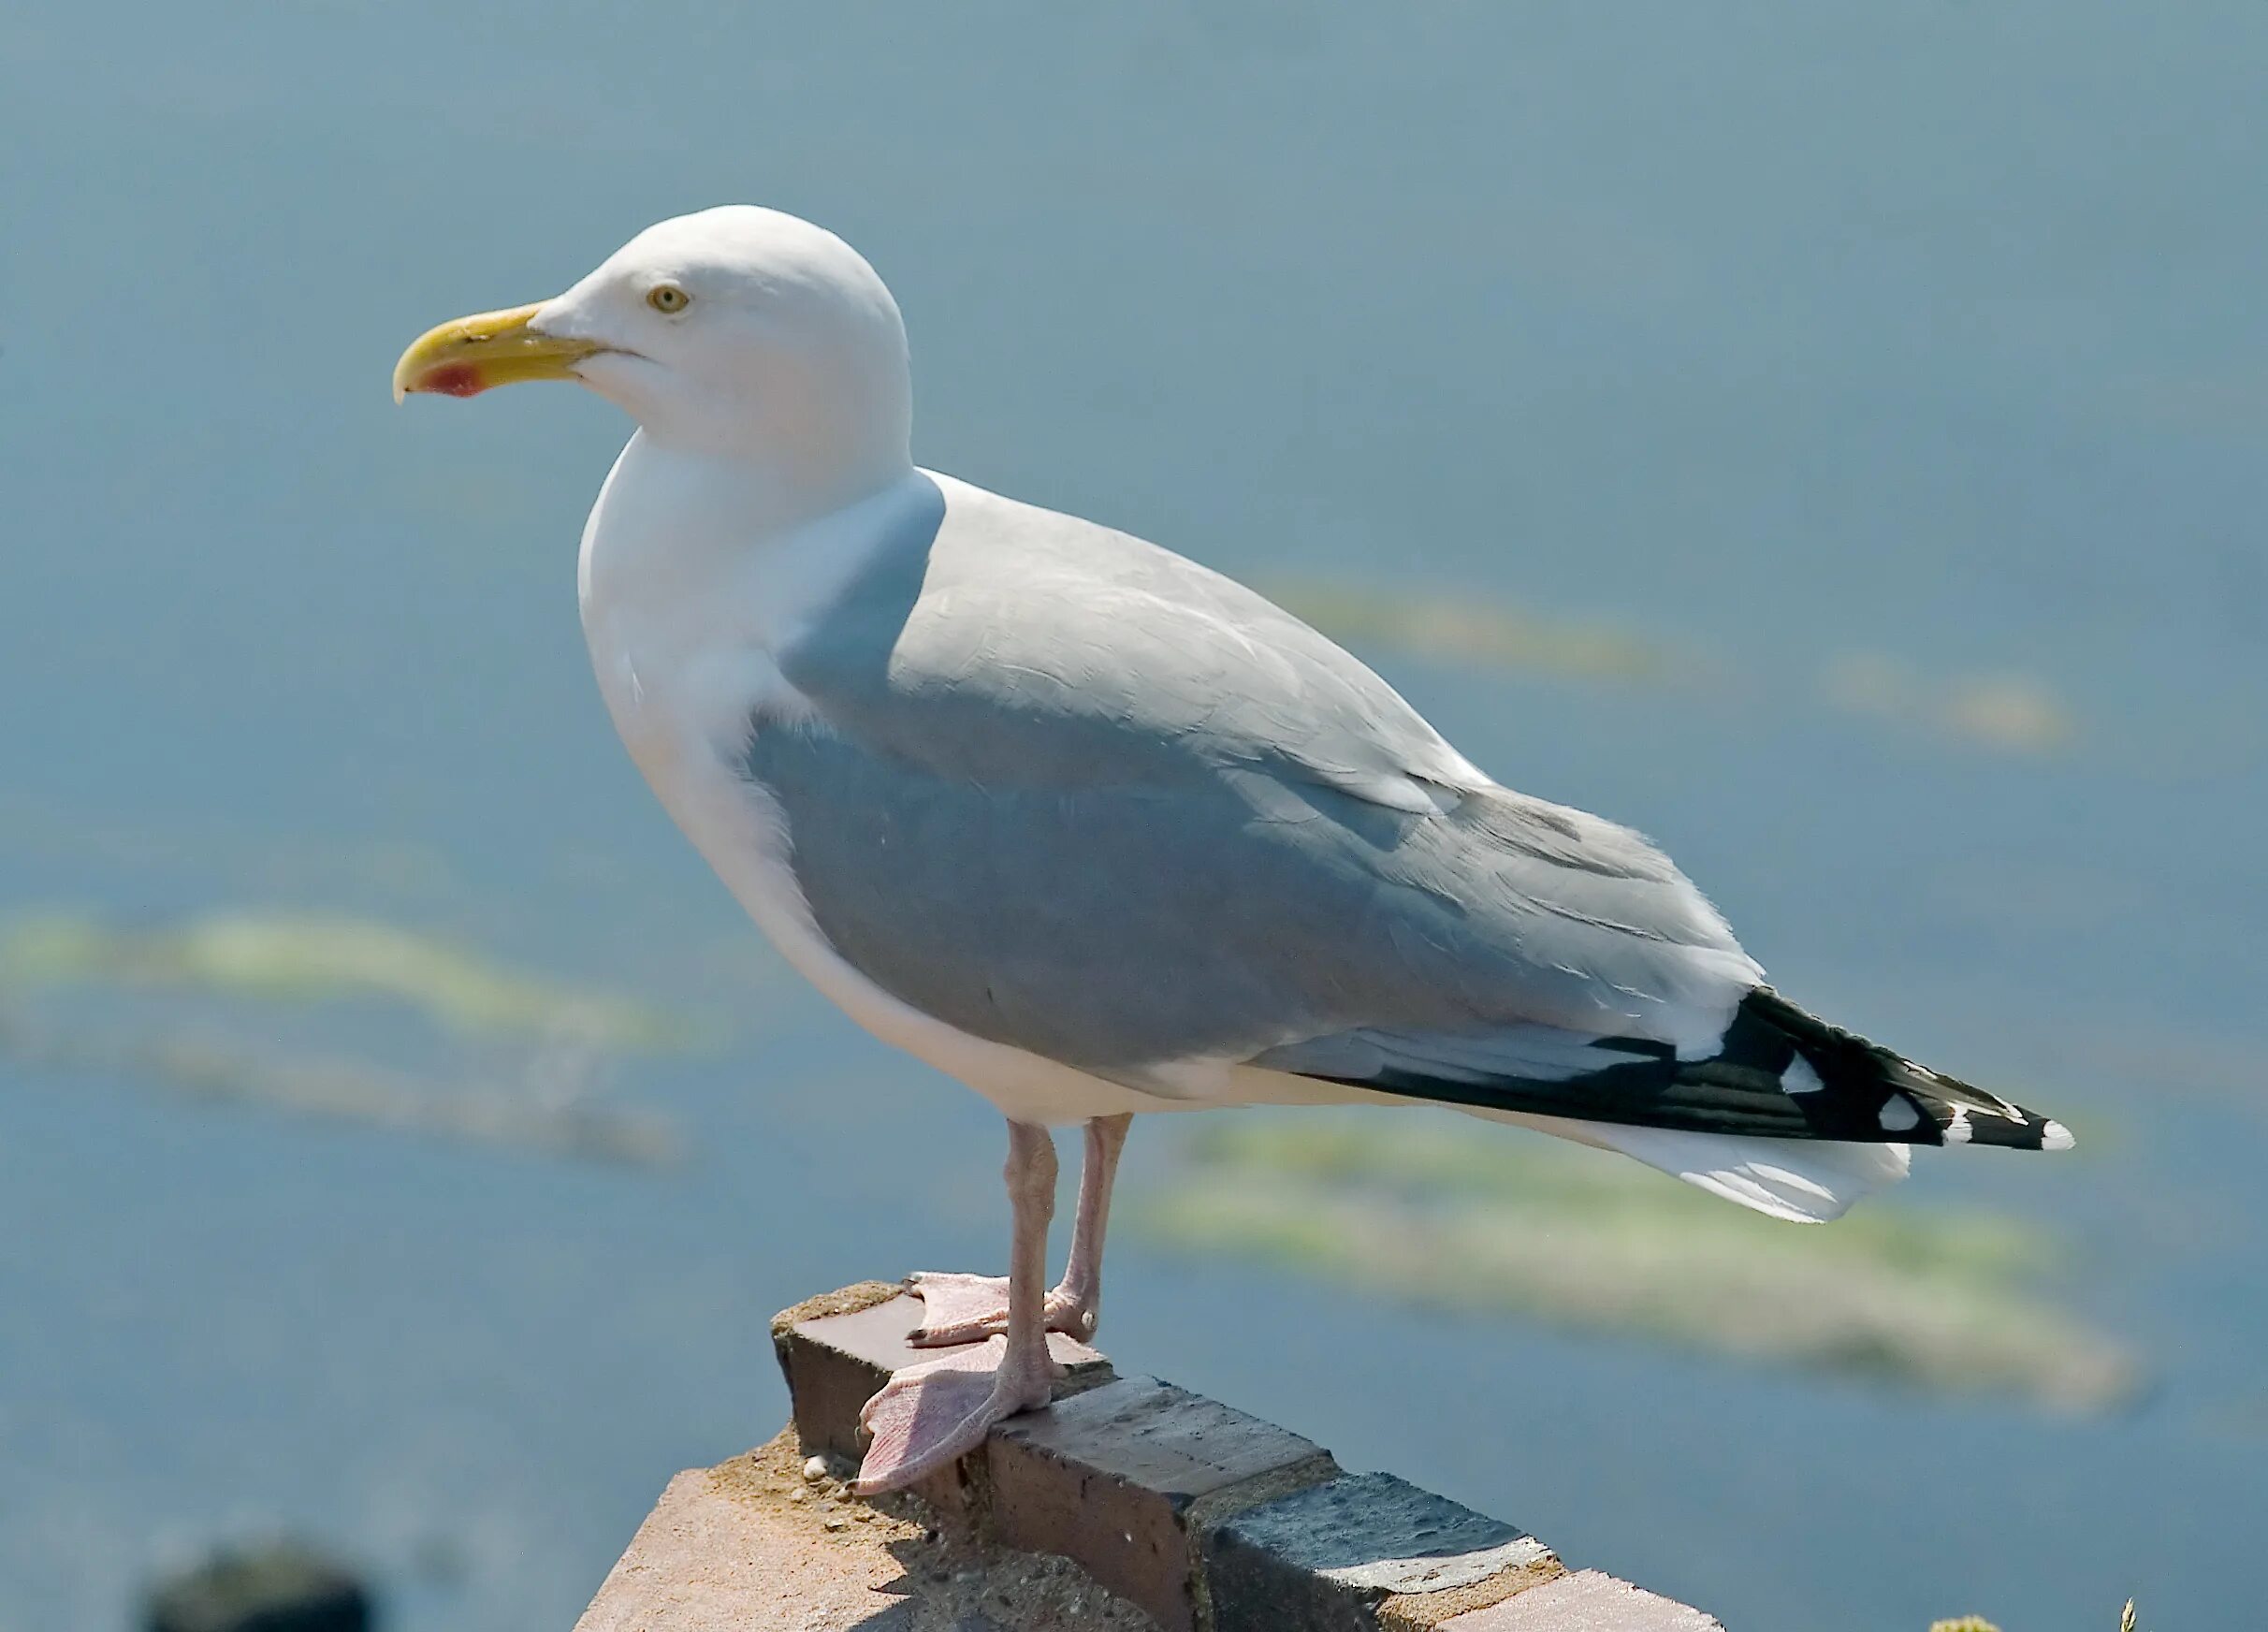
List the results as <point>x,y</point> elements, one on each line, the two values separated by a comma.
<point>274,1586</point>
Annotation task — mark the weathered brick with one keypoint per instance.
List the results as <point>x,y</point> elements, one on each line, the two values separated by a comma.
<point>1122,1479</point>
<point>1326,1559</point>
<point>1586,1601</point>
<point>835,1352</point>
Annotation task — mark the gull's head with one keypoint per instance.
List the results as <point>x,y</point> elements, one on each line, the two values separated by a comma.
<point>737,331</point>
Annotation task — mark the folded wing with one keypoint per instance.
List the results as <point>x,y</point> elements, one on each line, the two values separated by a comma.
<point>1075,794</point>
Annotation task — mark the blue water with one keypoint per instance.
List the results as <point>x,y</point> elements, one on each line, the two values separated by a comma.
<point>1773,333</point>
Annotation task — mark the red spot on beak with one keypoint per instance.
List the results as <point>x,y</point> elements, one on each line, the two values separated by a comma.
<point>454,380</point>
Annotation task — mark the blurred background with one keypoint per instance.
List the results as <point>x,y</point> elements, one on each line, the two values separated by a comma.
<point>1829,437</point>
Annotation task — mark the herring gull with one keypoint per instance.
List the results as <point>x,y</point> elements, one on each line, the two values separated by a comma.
<point>1098,831</point>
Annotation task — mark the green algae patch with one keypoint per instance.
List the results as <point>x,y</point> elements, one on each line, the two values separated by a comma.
<point>2007,713</point>
<point>1480,1219</point>
<point>341,1089</point>
<point>259,1008</point>
<point>1463,630</point>
<point>2004,713</point>
<point>316,958</point>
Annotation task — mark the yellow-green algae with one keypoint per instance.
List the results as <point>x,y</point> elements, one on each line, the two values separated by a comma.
<point>545,1118</point>
<point>1478,1217</point>
<point>2005,712</point>
<point>305,957</point>
<point>1977,1623</point>
<point>2012,713</point>
<point>1464,631</point>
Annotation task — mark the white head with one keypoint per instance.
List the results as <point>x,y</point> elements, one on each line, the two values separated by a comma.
<point>737,332</point>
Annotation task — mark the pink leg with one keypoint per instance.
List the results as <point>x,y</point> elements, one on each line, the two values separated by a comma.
<point>967,1308</point>
<point>1076,1304</point>
<point>928,1417</point>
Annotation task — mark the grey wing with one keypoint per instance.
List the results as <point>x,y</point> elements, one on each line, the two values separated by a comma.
<point>1069,793</point>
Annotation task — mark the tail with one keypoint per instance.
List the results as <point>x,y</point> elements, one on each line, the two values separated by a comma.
<point>1796,1118</point>
<point>1775,1072</point>
<point>1787,1115</point>
<point>1800,1181</point>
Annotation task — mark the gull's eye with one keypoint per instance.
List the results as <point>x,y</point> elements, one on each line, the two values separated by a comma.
<point>668,298</point>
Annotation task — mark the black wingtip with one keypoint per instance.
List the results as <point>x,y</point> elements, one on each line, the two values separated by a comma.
<point>1866,1091</point>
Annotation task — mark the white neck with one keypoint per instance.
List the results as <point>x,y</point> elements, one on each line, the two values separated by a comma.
<point>796,453</point>
<point>735,501</point>
<point>691,550</point>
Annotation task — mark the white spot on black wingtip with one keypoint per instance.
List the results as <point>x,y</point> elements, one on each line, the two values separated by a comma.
<point>2054,1135</point>
<point>1898,1115</point>
<point>1957,1131</point>
<point>1799,1078</point>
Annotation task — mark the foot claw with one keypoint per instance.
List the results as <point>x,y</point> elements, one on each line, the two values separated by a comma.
<point>929,1416</point>
<point>958,1309</point>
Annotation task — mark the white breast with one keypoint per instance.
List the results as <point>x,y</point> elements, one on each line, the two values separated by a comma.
<point>685,613</point>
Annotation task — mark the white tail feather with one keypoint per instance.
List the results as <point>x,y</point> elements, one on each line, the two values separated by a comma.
<point>1802,1181</point>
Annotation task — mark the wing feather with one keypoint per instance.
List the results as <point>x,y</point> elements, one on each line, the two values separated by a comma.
<point>1068,791</point>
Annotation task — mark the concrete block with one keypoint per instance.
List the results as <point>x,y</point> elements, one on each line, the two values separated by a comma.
<point>755,1545</point>
<point>1329,1558</point>
<point>836,1351</point>
<point>1586,1601</point>
<point>1199,1515</point>
<point>1122,1479</point>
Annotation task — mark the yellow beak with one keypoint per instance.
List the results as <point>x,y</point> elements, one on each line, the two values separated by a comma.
<point>465,357</point>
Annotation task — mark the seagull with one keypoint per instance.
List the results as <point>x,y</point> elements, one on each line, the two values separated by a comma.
<point>1100,832</point>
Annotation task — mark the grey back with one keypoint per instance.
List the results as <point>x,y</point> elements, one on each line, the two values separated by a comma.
<point>1074,793</point>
